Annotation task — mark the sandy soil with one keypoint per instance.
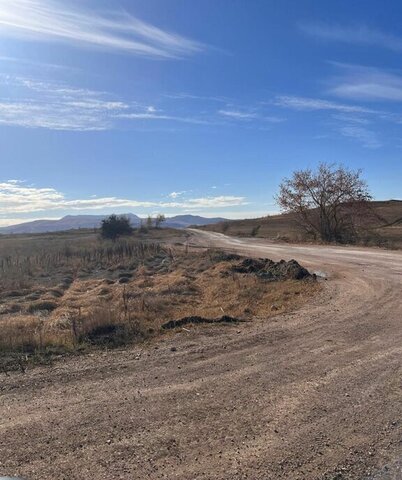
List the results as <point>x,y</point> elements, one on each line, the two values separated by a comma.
<point>313,394</point>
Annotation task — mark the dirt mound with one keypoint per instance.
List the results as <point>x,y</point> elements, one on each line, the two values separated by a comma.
<point>270,270</point>
<point>198,319</point>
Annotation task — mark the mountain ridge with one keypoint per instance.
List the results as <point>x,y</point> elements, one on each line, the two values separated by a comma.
<point>76,222</point>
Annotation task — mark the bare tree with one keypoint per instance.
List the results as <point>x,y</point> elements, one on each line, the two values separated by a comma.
<point>327,202</point>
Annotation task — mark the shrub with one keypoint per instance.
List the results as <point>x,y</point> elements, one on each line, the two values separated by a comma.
<point>255,230</point>
<point>115,226</point>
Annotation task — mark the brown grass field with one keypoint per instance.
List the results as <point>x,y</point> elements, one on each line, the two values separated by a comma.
<point>70,291</point>
<point>383,229</point>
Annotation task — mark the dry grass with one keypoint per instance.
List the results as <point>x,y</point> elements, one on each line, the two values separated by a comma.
<point>22,264</point>
<point>110,294</point>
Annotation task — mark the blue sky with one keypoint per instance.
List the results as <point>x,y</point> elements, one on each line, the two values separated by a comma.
<point>201,107</point>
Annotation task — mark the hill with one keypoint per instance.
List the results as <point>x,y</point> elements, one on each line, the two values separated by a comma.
<point>75,222</point>
<point>69,222</point>
<point>383,228</point>
<point>184,221</point>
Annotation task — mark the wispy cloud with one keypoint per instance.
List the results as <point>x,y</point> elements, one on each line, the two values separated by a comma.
<point>56,106</point>
<point>366,137</point>
<point>249,115</point>
<point>354,34</point>
<point>19,198</point>
<point>203,98</point>
<point>366,83</point>
<point>32,103</point>
<point>351,118</point>
<point>231,110</point>
<point>357,128</point>
<point>52,20</point>
<point>25,61</point>
<point>306,103</point>
<point>176,194</point>
<point>160,116</point>
<point>238,115</point>
<point>31,115</point>
<point>347,120</point>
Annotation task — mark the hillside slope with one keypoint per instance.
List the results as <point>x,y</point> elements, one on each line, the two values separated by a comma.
<point>385,227</point>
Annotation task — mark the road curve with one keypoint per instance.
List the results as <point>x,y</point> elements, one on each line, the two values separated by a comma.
<point>314,394</point>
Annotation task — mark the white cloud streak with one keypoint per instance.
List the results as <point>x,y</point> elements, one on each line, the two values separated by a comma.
<point>238,115</point>
<point>354,34</point>
<point>52,116</point>
<point>25,61</point>
<point>202,98</point>
<point>32,103</point>
<point>19,198</point>
<point>52,20</point>
<point>61,107</point>
<point>57,107</point>
<point>366,83</point>
<point>353,119</point>
<point>349,120</point>
<point>160,116</point>
<point>176,194</point>
<point>241,115</point>
<point>310,104</point>
<point>363,135</point>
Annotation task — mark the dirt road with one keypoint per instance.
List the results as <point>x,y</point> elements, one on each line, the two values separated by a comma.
<point>315,394</point>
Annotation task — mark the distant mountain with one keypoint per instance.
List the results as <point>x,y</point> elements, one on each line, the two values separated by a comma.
<point>74,222</point>
<point>183,221</point>
<point>69,222</point>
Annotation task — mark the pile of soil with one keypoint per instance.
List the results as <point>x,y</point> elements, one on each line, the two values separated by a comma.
<point>274,271</point>
<point>197,319</point>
